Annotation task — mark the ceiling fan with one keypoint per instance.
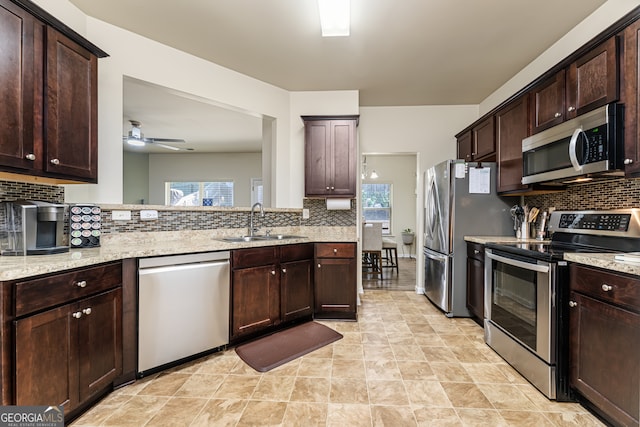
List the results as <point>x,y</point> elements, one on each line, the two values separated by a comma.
<point>137,138</point>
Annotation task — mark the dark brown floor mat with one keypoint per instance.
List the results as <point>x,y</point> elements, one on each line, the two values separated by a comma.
<point>281,347</point>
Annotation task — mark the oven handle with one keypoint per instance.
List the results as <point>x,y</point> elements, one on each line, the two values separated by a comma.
<point>516,263</point>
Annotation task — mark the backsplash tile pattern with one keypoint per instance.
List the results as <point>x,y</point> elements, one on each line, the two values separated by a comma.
<point>10,191</point>
<point>617,193</point>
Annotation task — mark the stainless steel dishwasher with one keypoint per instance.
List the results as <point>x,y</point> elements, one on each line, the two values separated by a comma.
<point>183,307</point>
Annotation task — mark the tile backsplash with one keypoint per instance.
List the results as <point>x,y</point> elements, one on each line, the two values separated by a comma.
<point>10,191</point>
<point>609,194</point>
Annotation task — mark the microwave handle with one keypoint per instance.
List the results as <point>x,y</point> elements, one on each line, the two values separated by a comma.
<point>516,263</point>
<point>573,145</point>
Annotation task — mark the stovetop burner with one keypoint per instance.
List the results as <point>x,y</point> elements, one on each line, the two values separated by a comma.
<point>582,231</point>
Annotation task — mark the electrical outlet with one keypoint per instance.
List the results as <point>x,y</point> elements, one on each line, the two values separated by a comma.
<point>150,214</point>
<point>121,215</point>
<point>305,213</point>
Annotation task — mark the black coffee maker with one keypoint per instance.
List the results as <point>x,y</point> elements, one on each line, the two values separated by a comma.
<point>32,227</point>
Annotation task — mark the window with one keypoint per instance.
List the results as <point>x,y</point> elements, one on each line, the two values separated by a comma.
<point>219,193</point>
<point>376,204</point>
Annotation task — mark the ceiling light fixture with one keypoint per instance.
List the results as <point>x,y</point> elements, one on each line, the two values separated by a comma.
<point>374,175</point>
<point>334,17</point>
<point>135,142</point>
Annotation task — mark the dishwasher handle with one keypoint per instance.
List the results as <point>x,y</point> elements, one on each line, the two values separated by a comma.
<point>180,267</point>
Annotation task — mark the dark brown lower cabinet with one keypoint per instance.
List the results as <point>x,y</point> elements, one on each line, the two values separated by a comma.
<point>475,280</point>
<point>335,287</point>
<point>66,355</point>
<point>270,286</point>
<point>605,343</point>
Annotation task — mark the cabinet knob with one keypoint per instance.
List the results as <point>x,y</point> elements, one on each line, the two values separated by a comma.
<point>55,161</point>
<point>273,272</point>
<point>87,311</point>
<point>30,156</point>
<point>572,303</point>
<point>318,265</point>
<point>475,251</point>
<point>77,314</point>
<point>81,283</point>
<point>628,161</point>
<point>335,250</point>
<point>556,115</point>
<point>333,188</point>
<point>327,188</point>
<point>284,270</point>
<point>606,287</point>
<point>572,108</point>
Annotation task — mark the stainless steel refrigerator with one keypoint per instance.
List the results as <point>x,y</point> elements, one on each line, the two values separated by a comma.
<point>460,200</point>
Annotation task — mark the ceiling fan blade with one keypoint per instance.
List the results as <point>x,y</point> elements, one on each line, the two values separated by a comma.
<point>163,140</point>
<point>172,148</point>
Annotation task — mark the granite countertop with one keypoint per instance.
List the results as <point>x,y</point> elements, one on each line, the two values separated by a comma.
<point>601,260</point>
<point>141,245</point>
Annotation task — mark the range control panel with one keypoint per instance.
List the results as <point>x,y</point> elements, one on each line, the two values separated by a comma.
<point>618,222</point>
<point>612,222</point>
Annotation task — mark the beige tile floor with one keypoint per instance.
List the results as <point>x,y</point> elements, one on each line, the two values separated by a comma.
<point>402,364</point>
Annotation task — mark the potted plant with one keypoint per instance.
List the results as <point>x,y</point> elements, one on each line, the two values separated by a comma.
<point>407,236</point>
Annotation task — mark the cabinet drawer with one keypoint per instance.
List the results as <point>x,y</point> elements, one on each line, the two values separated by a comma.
<point>254,257</point>
<point>611,287</point>
<point>335,250</point>
<point>38,294</point>
<point>475,251</point>
<point>296,252</point>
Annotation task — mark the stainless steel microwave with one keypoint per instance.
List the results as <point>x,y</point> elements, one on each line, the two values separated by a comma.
<point>590,145</point>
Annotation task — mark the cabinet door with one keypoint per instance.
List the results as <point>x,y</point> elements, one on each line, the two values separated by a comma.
<point>100,341</point>
<point>592,81</point>
<point>71,109</point>
<point>255,299</point>
<point>548,103</point>
<point>18,78</point>
<point>465,146</point>
<point>317,157</point>
<point>631,99</point>
<point>46,359</point>
<point>475,287</point>
<point>296,287</point>
<point>484,141</point>
<point>343,137</point>
<point>604,362</point>
<point>335,288</point>
<point>512,126</point>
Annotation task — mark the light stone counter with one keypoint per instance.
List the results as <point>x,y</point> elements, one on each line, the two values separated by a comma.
<point>483,240</point>
<point>140,245</point>
<point>605,261</point>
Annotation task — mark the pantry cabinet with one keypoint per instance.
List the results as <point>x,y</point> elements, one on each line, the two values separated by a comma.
<point>335,287</point>
<point>588,82</point>
<point>68,337</point>
<point>48,79</point>
<point>604,326</point>
<point>330,156</point>
<point>269,286</point>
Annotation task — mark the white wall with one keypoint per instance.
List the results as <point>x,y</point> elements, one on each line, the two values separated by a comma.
<point>238,167</point>
<point>598,21</point>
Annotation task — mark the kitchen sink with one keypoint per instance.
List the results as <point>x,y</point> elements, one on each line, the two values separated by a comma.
<point>243,239</point>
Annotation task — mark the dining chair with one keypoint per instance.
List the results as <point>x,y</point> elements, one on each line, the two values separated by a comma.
<point>372,248</point>
<point>390,247</point>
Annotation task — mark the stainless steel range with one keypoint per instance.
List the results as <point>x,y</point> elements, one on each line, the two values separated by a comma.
<point>527,288</point>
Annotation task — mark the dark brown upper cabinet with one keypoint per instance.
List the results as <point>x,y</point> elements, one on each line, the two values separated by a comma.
<point>48,79</point>
<point>631,99</point>
<point>589,82</point>
<point>330,156</point>
<point>478,143</point>
<point>512,126</point>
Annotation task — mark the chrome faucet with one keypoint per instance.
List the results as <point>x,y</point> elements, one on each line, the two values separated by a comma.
<point>251,229</point>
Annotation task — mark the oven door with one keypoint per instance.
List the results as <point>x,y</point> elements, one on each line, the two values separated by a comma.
<point>518,300</point>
